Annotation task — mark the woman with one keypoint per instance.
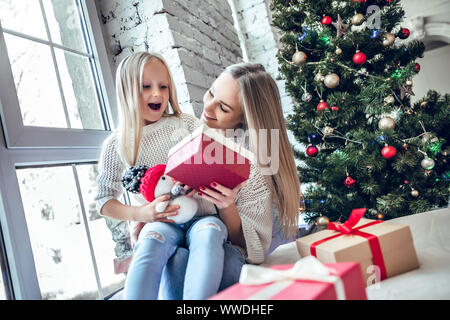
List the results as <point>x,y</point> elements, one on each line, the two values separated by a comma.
<point>264,211</point>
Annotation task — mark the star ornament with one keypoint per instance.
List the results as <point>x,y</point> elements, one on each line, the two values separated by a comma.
<point>405,89</point>
<point>340,26</point>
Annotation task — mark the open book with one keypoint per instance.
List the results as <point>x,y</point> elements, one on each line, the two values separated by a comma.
<point>207,156</point>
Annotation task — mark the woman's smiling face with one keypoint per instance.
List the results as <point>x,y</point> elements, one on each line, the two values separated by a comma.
<point>222,108</point>
<point>155,91</point>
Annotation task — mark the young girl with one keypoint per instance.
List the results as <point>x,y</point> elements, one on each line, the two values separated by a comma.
<point>145,91</point>
<point>264,214</point>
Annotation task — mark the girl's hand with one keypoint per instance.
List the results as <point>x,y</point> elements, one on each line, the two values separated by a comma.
<point>223,197</point>
<point>148,212</point>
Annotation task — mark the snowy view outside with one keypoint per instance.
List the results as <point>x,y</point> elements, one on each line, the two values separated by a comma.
<point>57,233</point>
<point>62,95</point>
<point>42,102</point>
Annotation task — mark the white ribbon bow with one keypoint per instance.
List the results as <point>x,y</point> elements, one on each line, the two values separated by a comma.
<point>308,268</point>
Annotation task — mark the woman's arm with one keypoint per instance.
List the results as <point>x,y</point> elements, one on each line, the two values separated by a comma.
<point>224,199</point>
<point>230,217</point>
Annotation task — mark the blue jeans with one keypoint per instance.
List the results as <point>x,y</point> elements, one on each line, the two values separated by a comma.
<point>201,268</point>
<point>172,284</point>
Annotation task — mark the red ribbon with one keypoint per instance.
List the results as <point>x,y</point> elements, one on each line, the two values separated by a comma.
<point>347,228</point>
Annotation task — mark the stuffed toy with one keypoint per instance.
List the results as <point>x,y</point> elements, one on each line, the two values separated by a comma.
<point>153,183</point>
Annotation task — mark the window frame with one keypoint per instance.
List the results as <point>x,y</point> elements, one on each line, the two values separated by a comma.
<point>23,146</point>
<point>18,135</point>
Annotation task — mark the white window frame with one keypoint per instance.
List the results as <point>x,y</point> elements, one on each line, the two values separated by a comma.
<point>20,136</point>
<point>24,146</point>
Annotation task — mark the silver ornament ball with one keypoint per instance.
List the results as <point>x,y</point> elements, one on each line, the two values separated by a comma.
<point>331,80</point>
<point>386,124</point>
<point>427,163</point>
<point>306,97</point>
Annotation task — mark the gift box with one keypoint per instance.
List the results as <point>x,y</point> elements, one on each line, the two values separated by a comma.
<point>383,249</point>
<point>308,279</point>
<point>207,156</point>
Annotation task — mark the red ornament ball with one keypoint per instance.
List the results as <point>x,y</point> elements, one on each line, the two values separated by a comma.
<point>334,108</point>
<point>403,33</point>
<point>349,182</point>
<point>417,67</point>
<point>312,151</point>
<point>326,20</point>
<point>359,58</point>
<point>322,106</point>
<point>388,152</point>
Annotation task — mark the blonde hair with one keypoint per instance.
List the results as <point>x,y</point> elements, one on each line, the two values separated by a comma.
<point>128,91</point>
<point>261,102</point>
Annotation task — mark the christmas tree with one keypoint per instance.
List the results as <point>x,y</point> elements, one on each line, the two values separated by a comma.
<point>349,69</point>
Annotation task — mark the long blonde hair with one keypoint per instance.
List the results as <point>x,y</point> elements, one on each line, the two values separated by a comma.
<point>128,91</point>
<point>261,102</point>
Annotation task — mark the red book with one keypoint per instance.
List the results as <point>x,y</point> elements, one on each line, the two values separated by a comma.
<point>207,156</point>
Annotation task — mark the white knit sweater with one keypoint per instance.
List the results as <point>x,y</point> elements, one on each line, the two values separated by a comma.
<point>254,202</point>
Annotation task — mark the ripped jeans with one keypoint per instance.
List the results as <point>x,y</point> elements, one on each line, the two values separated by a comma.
<point>173,277</point>
<point>203,236</point>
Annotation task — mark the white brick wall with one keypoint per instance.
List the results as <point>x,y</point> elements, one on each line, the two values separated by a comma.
<point>262,44</point>
<point>196,37</point>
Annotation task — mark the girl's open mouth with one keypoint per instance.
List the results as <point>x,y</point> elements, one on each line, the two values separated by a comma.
<point>154,106</point>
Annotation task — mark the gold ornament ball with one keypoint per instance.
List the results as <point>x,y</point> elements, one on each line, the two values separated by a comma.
<point>380,216</point>
<point>428,136</point>
<point>327,131</point>
<point>318,77</point>
<point>388,39</point>
<point>386,124</point>
<point>331,80</point>
<point>338,51</point>
<point>446,151</point>
<point>323,221</point>
<point>424,104</point>
<point>409,83</point>
<point>415,193</point>
<point>389,99</point>
<point>299,58</point>
<point>358,19</point>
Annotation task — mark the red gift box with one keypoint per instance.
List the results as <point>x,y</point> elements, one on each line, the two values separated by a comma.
<point>334,282</point>
<point>207,156</point>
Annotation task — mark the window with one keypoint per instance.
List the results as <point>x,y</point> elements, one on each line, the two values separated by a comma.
<point>5,285</point>
<point>51,76</point>
<point>56,109</point>
<point>72,254</point>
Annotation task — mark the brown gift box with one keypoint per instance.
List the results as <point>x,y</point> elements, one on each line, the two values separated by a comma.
<point>395,241</point>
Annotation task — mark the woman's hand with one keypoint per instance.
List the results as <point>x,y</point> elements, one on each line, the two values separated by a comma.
<point>148,212</point>
<point>223,197</point>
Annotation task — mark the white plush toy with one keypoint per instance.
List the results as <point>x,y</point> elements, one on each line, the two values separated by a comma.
<point>153,183</point>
